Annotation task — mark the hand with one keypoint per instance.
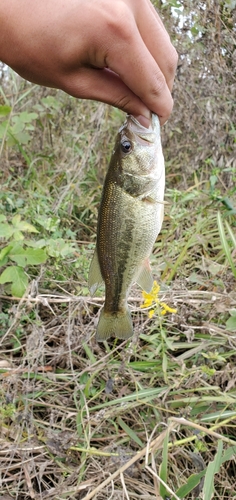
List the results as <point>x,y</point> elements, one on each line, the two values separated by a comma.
<point>115,51</point>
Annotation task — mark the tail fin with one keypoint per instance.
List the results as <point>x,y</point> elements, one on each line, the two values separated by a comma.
<point>118,324</point>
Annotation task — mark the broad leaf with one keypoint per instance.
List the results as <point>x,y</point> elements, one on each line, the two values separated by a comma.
<point>35,256</point>
<point>231,324</point>
<point>17,254</point>
<point>21,225</point>
<point>17,277</point>
<point>4,255</point>
<point>28,256</point>
<point>26,117</point>
<point>6,231</point>
<point>5,110</point>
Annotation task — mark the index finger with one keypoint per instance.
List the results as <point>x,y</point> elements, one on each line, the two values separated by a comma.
<point>158,42</point>
<point>144,58</point>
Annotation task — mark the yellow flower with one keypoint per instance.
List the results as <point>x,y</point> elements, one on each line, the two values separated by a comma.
<point>150,313</point>
<point>167,308</point>
<point>151,299</point>
<point>148,300</point>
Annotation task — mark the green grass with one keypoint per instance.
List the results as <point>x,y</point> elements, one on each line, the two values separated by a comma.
<point>147,418</point>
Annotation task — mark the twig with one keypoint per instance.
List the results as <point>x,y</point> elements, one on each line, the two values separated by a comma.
<point>154,444</point>
<point>183,421</point>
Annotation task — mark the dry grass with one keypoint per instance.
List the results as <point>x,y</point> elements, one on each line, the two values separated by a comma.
<point>80,420</point>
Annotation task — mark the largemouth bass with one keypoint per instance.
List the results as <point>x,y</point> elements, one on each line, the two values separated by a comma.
<point>130,218</point>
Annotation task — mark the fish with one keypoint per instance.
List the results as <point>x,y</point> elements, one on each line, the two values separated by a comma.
<point>129,220</point>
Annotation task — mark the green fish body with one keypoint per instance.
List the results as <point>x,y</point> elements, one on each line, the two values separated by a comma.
<point>130,218</point>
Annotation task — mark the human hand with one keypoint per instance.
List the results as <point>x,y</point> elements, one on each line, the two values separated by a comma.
<point>117,52</point>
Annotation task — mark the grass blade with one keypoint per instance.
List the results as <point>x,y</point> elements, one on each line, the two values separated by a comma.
<point>163,467</point>
<point>225,244</point>
<point>229,229</point>
<point>212,469</point>
<point>129,432</point>
<point>192,482</point>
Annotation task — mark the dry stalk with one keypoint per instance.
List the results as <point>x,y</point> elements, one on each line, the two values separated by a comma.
<point>157,442</point>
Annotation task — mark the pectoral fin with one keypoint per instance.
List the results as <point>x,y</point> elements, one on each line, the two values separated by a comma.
<point>95,278</point>
<point>145,278</point>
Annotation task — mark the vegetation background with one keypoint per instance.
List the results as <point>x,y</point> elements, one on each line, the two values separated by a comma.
<point>155,417</point>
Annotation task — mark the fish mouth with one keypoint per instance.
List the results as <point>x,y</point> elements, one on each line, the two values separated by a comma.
<point>145,136</point>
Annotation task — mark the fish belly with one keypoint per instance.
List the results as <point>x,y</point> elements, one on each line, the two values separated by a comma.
<point>127,230</point>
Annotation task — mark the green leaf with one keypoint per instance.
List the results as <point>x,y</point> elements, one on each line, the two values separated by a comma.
<point>164,466</point>
<point>59,248</point>
<point>49,223</point>
<point>6,231</point>
<point>192,482</point>
<point>230,4</point>
<point>212,469</point>
<point>25,226</point>
<point>17,127</point>
<point>4,255</point>
<point>35,256</point>
<point>17,254</point>
<point>129,432</point>
<point>230,231</point>
<point>5,110</point>
<point>164,363</point>
<point>36,244</point>
<point>3,128</point>
<point>231,324</point>
<point>16,219</point>
<point>225,244</point>
<point>18,236</point>
<point>144,365</point>
<point>17,277</point>
<point>22,225</point>
<point>228,454</point>
<point>22,137</point>
<point>51,102</point>
<point>28,256</point>
<point>26,117</point>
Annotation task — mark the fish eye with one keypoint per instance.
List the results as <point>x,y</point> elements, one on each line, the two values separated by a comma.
<point>126,146</point>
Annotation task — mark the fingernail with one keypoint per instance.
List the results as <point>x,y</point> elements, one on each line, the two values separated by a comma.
<point>144,120</point>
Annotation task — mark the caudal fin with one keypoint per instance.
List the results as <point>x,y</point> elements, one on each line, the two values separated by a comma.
<point>116,324</point>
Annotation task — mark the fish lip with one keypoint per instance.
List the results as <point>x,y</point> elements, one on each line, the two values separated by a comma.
<point>143,134</point>
<point>153,125</point>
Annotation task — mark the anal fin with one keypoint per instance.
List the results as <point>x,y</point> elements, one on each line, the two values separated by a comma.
<point>145,278</point>
<point>95,277</point>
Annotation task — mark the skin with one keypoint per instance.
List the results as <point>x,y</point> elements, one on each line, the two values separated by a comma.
<point>117,52</point>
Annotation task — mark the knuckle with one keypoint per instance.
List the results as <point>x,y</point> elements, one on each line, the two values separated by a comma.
<point>119,21</point>
<point>159,87</point>
<point>123,102</point>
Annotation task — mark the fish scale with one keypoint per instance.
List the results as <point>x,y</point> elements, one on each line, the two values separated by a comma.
<point>130,218</point>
